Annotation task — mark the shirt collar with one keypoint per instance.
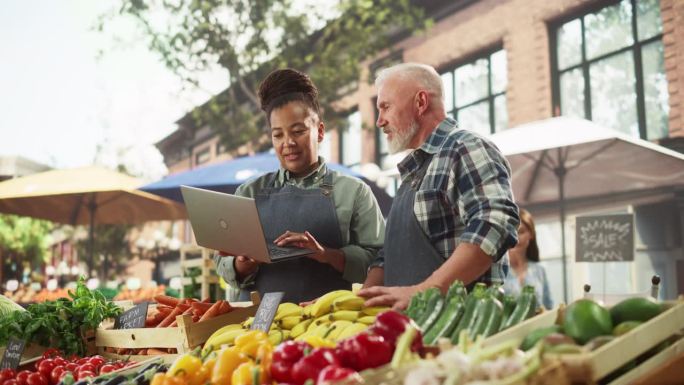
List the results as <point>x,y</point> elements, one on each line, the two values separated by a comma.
<point>430,147</point>
<point>320,171</point>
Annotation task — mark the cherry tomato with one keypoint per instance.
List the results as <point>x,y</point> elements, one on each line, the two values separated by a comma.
<point>107,368</point>
<point>7,374</point>
<point>96,361</point>
<point>36,379</point>
<point>72,367</point>
<point>82,361</point>
<point>56,374</point>
<point>60,361</point>
<point>52,352</point>
<point>22,377</point>
<point>11,381</point>
<point>87,368</point>
<point>119,364</point>
<point>45,367</point>
<point>83,374</point>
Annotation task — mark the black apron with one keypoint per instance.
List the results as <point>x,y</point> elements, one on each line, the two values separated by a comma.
<point>296,209</point>
<point>410,257</point>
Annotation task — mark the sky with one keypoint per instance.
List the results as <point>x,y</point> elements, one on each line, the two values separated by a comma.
<point>60,99</point>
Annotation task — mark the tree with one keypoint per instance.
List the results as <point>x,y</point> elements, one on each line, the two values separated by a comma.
<point>22,239</point>
<point>251,38</point>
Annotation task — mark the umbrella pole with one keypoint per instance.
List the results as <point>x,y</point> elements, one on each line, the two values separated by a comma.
<point>560,173</point>
<point>92,207</point>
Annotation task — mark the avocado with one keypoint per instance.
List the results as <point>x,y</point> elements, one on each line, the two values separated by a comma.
<point>635,309</point>
<point>624,327</point>
<point>584,319</point>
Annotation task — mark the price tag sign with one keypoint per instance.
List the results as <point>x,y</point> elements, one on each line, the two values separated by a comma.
<point>133,318</point>
<point>605,238</point>
<point>12,356</point>
<point>267,310</point>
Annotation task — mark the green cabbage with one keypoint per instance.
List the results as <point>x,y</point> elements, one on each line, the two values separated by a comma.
<point>7,306</point>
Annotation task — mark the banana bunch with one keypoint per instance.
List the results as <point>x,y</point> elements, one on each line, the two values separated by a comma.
<point>334,316</point>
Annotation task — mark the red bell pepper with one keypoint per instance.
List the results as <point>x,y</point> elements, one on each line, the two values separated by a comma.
<point>310,366</point>
<point>284,358</point>
<point>391,325</point>
<point>333,373</point>
<point>364,351</point>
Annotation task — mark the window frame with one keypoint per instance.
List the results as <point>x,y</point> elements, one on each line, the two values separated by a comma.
<point>584,64</point>
<point>490,97</point>
<point>341,134</point>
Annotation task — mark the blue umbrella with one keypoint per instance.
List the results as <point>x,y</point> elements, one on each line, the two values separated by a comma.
<point>227,176</point>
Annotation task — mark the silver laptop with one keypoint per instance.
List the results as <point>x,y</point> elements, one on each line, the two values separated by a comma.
<point>231,223</point>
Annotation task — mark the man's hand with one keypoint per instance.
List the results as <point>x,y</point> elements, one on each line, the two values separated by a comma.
<point>397,297</point>
<point>305,241</point>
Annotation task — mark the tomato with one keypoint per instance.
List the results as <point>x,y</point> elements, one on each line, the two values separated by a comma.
<point>7,374</point>
<point>45,367</point>
<point>51,353</point>
<point>11,381</point>
<point>56,374</point>
<point>82,361</point>
<point>96,361</point>
<point>86,367</point>
<point>119,364</point>
<point>22,377</point>
<point>60,361</point>
<point>107,368</point>
<point>83,374</point>
<point>36,379</point>
<point>71,367</point>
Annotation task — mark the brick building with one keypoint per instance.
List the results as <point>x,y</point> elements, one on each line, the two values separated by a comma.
<point>509,62</point>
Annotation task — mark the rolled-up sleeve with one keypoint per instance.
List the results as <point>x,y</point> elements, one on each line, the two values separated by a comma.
<point>366,235</point>
<point>482,186</point>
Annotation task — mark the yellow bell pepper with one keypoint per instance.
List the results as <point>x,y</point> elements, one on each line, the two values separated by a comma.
<point>263,360</point>
<point>227,361</point>
<point>245,374</point>
<point>187,367</point>
<point>204,374</point>
<point>248,343</point>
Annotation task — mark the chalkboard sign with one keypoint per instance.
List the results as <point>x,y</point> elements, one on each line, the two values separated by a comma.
<point>605,238</point>
<point>267,310</point>
<point>132,318</point>
<point>12,356</point>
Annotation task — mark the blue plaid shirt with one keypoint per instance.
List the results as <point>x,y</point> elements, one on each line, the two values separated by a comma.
<point>465,196</point>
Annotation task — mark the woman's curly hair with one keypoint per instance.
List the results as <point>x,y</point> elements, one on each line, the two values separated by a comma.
<point>284,86</point>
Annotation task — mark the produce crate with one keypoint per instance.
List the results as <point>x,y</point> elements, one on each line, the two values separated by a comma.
<point>519,331</point>
<point>184,338</point>
<point>592,366</point>
<point>664,367</point>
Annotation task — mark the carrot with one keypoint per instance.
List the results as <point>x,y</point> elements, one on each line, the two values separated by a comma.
<point>172,316</point>
<point>207,300</point>
<point>155,351</point>
<point>165,309</point>
<point>225,307</point>
<point>201,307</point>
<point>166,300</point>
<point>174,324</point>
<point>151,322</point>
<point>212,312</point>
<point>195,318</point>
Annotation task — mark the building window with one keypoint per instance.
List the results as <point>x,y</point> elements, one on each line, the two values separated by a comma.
<point>350,150</point>
<point>202,156</point>
<point>475,93</point>
<point>325,147</point>
<point>608,66</point>
<point>221,148</point>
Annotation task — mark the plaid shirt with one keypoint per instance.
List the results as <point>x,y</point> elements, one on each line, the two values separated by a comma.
<point>465,196</point>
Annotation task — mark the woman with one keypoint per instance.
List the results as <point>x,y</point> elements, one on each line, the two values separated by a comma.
<point>524,258</point>
<point>305,204</point>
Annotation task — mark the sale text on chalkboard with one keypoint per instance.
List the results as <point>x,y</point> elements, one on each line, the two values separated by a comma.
<point>605,238</point>
<point>133,318</point>
<point>12,356</point>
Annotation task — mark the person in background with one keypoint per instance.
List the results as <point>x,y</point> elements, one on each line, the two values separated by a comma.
<point>454,216</point>
<point>524,260</point>
<point>305,204</point>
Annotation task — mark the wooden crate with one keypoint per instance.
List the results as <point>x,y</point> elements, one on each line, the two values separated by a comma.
<point>592,366</point>
<point>184,338</point>
<point>519,331</point>
<point>664,366</point>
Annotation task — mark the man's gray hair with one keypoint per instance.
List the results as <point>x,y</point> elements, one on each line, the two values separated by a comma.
<point>424,74</point>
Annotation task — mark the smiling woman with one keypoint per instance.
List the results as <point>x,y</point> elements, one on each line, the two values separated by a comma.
<point>305,204</point>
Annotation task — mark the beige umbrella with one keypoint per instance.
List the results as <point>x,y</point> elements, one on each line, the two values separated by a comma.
<point>83,196</point>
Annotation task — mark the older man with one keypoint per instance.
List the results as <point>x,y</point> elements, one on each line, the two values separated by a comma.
<point>454,215</point>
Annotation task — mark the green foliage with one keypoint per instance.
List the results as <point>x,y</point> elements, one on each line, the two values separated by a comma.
<point>60,323</point>
<point>24,238</point>
<point>251,38</point>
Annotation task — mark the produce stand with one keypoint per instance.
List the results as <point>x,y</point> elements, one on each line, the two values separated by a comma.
<point>184,338</point>
<point>207,276</point>
<point>541,320</point>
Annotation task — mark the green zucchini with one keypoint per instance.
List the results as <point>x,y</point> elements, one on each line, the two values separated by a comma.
<point>416,305</point>
<point>523,308</point>
<point>495,319</point>
<point>471,304</point>
<point>447,321</point>
<point>497,291</point>
<point>509,302</point>
<point>432,298</point>
<point>434,309</point>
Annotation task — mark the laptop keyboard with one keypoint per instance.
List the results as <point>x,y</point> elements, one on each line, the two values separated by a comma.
<point>276,251</point>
